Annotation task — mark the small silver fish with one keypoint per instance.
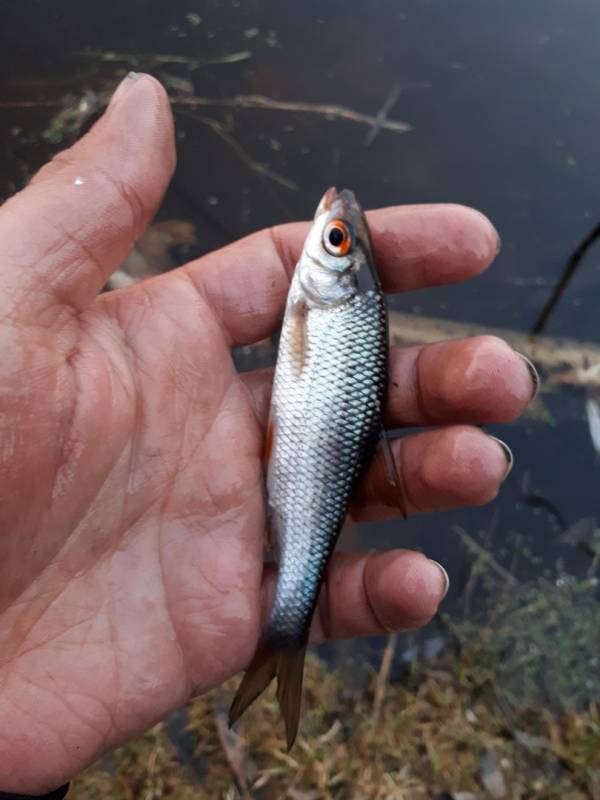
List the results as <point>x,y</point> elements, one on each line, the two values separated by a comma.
<point>324,425</point>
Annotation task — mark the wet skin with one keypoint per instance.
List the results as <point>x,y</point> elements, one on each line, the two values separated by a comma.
<point>131,515</point>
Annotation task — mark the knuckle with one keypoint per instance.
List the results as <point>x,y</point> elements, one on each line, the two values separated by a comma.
<point>129,197</point>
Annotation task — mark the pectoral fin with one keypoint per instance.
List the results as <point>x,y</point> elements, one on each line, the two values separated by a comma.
<point>297,312</point>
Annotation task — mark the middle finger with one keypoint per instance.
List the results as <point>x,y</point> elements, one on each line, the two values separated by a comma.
<point>479,380</point>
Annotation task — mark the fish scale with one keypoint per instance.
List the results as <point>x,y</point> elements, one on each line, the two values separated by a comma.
<point>328,418</point>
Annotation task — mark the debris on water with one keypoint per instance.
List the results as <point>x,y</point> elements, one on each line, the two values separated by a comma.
<point>193,18</point>
<point>261,169</point>
<point>382,114</point>
<point>74,115</point>
<point>484,555</point>
<point>272,39</point>
<point>251,33</point>
<point>176,83</point>
<point>563,362</point>
<point>330,112</point>
<point>148,59</point>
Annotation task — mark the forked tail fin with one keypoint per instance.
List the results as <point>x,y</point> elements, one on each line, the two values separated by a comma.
<point>288,666</point>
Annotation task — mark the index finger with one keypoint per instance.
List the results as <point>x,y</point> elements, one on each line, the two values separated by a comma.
<point>416,246</point>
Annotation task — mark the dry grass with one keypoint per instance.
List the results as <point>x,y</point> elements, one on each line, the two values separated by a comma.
<point>432,734</point>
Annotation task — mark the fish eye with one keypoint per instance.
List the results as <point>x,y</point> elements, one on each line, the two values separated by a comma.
<point>337,238</point>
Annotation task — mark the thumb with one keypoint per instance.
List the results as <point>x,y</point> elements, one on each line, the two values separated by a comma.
<point>73,225</point>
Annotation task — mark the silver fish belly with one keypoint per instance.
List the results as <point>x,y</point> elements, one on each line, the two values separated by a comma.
<point>325,422</point>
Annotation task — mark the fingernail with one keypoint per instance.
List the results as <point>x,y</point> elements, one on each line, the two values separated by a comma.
<point>128,81</point>
<point>534,374</point>
<point>444,575</point>
<point>510,459</point>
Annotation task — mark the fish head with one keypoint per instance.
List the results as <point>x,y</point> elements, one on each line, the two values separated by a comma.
<point>338,255</point>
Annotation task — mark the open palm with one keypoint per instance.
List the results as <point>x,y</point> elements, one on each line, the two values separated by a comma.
<point>131,505</point>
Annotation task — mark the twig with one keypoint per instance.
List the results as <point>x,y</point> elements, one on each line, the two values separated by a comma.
<point>258,101</point>
<point>331,112</point>
<point>383,678</point>
<point>256,166</point>
<point>235,752</point>
<point>470,587</point>
<point>382,114</point>
<point>8,104</point>
<point>567,361</point>
<point>164,58</point>
<point>483,554</point>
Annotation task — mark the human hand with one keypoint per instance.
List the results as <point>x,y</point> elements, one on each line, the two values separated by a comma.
<point>131,508</point>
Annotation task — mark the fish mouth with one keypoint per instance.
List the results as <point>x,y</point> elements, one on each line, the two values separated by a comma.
<point>344,205</point>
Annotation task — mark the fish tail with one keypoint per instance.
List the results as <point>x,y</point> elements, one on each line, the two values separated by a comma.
<point>290,669</point>
<point>269,662</point>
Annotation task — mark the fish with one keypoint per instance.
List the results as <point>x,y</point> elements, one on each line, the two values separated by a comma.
<point>324,426</point>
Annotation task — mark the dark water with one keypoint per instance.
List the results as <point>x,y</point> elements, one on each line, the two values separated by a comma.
<point>503,99</point>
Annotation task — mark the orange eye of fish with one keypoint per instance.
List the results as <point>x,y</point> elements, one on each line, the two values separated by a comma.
<point>337,238</point>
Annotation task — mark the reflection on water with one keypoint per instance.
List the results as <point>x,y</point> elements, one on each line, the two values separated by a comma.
<point>493,105</point>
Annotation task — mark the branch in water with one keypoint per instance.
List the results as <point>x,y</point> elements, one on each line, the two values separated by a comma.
<point>8,104</point>
<point>331,112</point>
<point>256,166</point>
<point>563,362</point>
<point>258,101</point>
<point>136,59</point>
<point>483,554</point>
